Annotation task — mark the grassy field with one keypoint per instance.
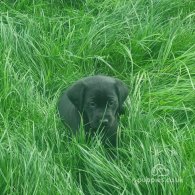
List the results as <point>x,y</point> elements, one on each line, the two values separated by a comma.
<point>45,45</point>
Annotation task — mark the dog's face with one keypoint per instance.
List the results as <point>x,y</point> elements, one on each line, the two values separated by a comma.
<point>99,99</point>
<point>101,106</point>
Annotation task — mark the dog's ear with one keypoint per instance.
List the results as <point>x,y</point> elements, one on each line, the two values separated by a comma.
<point>76,94</point>
<point>122,93</point>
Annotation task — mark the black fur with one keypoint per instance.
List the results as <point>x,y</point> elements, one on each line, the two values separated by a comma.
<point>98,100</point>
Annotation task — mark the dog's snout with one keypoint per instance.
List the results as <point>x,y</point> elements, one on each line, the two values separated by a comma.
<point>104,122</point>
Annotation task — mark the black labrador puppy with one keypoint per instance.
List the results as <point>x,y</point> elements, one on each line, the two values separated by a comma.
<point>99,101</point>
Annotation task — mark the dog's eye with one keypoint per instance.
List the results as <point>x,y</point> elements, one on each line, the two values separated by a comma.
<point>110,103</point>
<point>92,104</point>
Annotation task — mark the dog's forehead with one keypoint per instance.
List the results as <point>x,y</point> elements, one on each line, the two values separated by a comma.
<point>101,90</point>
<point>100,86</point>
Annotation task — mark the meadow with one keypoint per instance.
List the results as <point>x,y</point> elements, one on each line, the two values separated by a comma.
<point>45,45</point>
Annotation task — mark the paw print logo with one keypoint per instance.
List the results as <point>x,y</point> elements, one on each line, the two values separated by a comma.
<point>160,170</point>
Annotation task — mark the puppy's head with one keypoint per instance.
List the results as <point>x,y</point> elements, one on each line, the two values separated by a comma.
<point>99,99</point>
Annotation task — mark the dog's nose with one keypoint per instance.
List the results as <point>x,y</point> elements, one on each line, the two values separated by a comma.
<point>104,122</point>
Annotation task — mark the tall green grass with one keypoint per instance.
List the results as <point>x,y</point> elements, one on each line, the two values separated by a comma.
<point>47,45</point>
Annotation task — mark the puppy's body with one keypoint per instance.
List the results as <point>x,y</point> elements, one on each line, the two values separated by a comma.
<point>98,100</point>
